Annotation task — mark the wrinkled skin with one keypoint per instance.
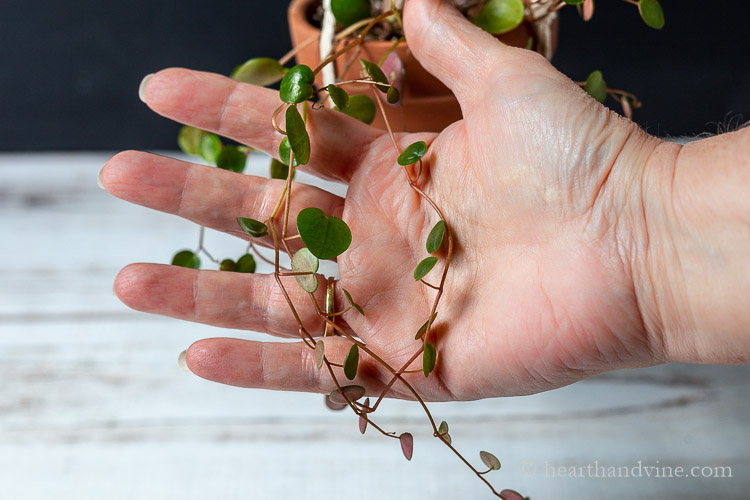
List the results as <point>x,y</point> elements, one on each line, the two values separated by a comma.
<point>568,247</point>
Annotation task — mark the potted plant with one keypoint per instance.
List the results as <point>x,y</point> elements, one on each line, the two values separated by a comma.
<point>316,235</point>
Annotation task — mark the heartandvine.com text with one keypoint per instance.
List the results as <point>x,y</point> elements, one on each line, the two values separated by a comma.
<point>639,469</point>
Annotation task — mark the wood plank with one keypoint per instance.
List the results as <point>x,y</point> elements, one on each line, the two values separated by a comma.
<point>92,404</point>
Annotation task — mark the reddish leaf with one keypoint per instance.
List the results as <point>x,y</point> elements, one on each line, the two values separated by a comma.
<point>511,495</point>
<point>407,444</point>
<point>626,109</point>
<point>334,406</point>
<point>320,352</point>
<point>363,417</point>
<point>588,10</point>
<point>350,392</point>
<point>489,460</point>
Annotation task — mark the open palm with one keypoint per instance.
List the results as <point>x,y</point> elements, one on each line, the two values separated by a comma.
<point>533,183</point>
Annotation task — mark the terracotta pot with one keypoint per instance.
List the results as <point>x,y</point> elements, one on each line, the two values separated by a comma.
<point>427,104</point>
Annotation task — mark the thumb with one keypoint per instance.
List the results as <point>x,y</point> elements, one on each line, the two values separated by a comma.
<point>458,53</point>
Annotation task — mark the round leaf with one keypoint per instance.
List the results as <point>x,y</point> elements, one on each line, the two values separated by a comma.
<point>360,107</point>
<point>423,329</point>
<point>443,429</point>
<point>412,154</point>
<point>261,71</point>
<point>209,147</point>
<point>428,358</point>
<point>227,265</point>
<point>252,227</point>
<point>490,460</point>
<point>339,96</point>
<point>651,13</point>
<point>326,237</point>
<point>297,135</point>
<point>500,16</point>
<point>596,86</point>
<point>354,304</point>
<point>348,12</point>
<point>350,392</point>
<point>186,258</point>
<point>189,139</point>
<point>393,95</point>
<point>278,169</point>
<point>320,352</point>
<point>297,84</point>
<point>377,75</point>
<point>245,264</point>
<point>351,362</point>
<point>424,267</point>
<point>305,262</point>
<point>231,158</point>
<point>335,406</point>
<point>285,150</point>
<point>407,444</point>
<point>435,238</point>
<point>362,422</point>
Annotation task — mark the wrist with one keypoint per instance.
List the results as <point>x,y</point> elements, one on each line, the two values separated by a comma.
<point>690,266</point>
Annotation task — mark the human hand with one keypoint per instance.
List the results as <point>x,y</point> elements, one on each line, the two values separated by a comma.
<point>541,185</point>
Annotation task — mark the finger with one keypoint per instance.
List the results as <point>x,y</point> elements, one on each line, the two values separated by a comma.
<point>220,298</point>
<point>278,366</point>
<point>243,112</point>
<point>464,57</point>
<point>208,196</point>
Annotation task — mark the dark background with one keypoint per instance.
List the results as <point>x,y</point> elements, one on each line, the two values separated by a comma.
<point>70,70</point>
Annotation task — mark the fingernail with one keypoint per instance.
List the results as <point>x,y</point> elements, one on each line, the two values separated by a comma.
<point>142,88</point>
<point>114,289</point>
<point>99,177</point>
<point>182,361</point>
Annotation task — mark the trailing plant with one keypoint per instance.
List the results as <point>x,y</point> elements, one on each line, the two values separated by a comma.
<point>325,237</point>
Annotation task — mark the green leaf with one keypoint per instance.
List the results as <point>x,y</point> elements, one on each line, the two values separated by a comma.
<point>489,460</point>
<point>377,75</point>
<point>254,228</point>
<point>186,258</point>
<point>245,264</point>
<point>279,170</point>
<point>339,96</point>
<point>435,238</point>
<point>428,358</point>
<point>351,362</point>
<point>393,95</point>
<point>285,150</point>
<point>407,444</point>
<point>297,134</point>
<point>189,139</point>
<point>354,304</point>
<point>231,158</point>
<point>412,154</point>
<point>423,329</point>
<point>209,147</point>
<point>500,16</point>
<point>320,352</point>
<point>424,267</point>
<point>573,2</point>
<point>596,86</point>
<point>261,71</point>
<point>325,236</point>
<point>305,262</point>
<point>227,265</point>
<point>443,431</point>
<point>297,84</point>
<point>360,107</point>
<point>651,13</point>
<point>348,12</point>
<point>351,392</point>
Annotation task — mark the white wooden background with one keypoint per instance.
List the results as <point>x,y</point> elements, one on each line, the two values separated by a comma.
<point>93,405</point>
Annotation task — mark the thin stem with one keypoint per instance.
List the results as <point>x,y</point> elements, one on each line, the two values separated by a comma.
<point>289,55</point>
